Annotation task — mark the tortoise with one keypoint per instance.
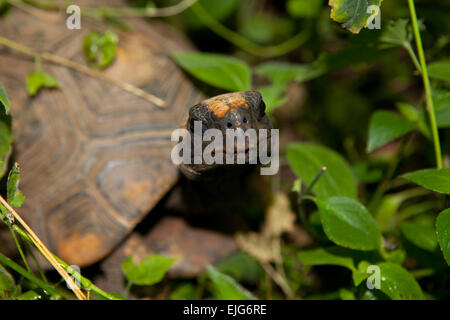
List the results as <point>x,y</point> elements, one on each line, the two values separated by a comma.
<point>95,159</point>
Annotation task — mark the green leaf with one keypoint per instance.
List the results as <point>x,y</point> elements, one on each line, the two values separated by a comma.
<point>346,294</point>
<point>185,291</point>
<point>37,80</point>
<point>443,233</point>
<point>100,49</point>
<point>303,8</point>
<point>386,126</point>
<point>352,14</point>
<point>226,288</point>
<point>150,271</point>
<point>420,235</point>
<point>347,223</point>
<point>307,160</point>
<point>337,256</point>
<point>15,196</point>
<point>242,267</point>
<point>30,295</point>
<point>7,283</point>
<point>439,70</point>
<point>396,33</point>
<point>6,140</point>
<point>218,70</point>
<point>218,9</point>
<point>434,179</point>
<point>4,101</point>
<point>408,111</point>
<point>360,274</point>
<point>441,99</point>
<point>398,284</point>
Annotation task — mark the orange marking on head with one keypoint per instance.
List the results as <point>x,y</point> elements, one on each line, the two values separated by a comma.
<point>219,108</point>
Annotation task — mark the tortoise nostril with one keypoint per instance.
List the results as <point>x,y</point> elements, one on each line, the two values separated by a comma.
<point>229,124</point>
<point>245,120</point>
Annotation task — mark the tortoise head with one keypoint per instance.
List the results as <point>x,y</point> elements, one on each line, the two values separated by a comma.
<point>231,112</point>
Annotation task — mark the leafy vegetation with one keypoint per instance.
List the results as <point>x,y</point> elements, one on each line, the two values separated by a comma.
<point>364,116</point>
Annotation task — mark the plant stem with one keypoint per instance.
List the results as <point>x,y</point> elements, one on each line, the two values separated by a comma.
<point>44,251</point>
<point>426,83</point>
<point>81,68</point>
<point>27,275</point>
<point>85,283</point>
<point>19,247</point>
<point>247,45</point>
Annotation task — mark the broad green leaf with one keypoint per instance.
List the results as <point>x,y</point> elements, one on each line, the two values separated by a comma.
<point>242,267</point>
<point>4,101</point>
<point>217,70</point>
<point>5,140</point>
<point>327,256</point>
<point>149,271</point>
<point>226,288</point>
<point>307,160</point>
<point>185,291</point>
<point>7,283</point>
<point>408,111</point>
<point>439,70</point>
<point>398,284</point>
<point>434,179</point>
<point>420,235</point>
<point>352,14</point>
<point>346,294</point>
<point>443,233</point>
<point>38,80</point>
<point>386,126</point>
<point>360,274</point>
<point>441,99</point>
<point>365,173</point>
<point>347,223</point>
<point>15,196</point>
<point>396,33</point>
<point>100,49</point>
<point>303,8</point>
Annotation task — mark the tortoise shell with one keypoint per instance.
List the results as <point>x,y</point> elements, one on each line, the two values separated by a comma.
<point>94,158</point>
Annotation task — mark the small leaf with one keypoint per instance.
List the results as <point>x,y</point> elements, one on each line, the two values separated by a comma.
<point>307,160</point>
<point>185,291</point>
<point>439,70</point>
<point>242,267</point>
<point>386,126</point>
<point>30,295</point>
<point>100,49</point>
<point>149,271</point>
<point>225,287</point>
<point>217,70</point>
<point>345,294</point>
<point>398,284</point>
<point>327,256</point>
<point>4,101</point>
<point>396,33</point>
<point>347,223</point>
<point>443,233</point>
<point>15,196</point>
<point>7,283</point>
<point>352,14</point>
<point>420,235</point>
<point>5,140</point>
<point>38,80</point>
<point>434,179</point>
<point>408,111</point>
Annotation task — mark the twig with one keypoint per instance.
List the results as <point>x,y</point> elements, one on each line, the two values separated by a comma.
<point>45,252</point>
<point>247,45</point>
<point>278,279</point>
<point>426,83</point>
<point>80,68</point>
<point>141,12</point>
